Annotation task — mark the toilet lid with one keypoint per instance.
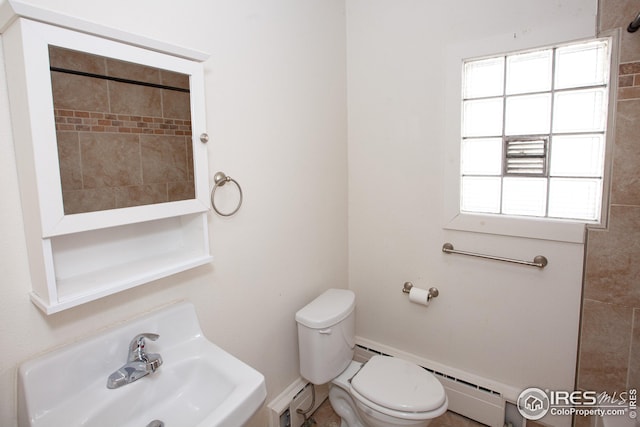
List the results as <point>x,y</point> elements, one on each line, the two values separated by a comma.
<point>399,385</point>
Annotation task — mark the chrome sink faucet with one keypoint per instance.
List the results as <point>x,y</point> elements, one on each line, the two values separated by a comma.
<point>139,362</point>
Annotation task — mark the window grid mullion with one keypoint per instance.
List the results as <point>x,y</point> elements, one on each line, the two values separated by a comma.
<point>553,100</point>
<point>504,127</point>
<point>567,89</point>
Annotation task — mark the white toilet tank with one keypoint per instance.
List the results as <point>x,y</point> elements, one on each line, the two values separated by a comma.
<point>326,335</point>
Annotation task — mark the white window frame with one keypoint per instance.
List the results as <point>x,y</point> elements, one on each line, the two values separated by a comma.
<point>529,227</point>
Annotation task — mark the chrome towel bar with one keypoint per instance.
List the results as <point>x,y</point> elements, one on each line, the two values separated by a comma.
<point>539,261</point>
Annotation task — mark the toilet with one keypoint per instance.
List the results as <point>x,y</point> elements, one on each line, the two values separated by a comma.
<point>383,392</point>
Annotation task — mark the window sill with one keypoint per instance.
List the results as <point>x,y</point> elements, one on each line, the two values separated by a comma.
<point>533,228</point>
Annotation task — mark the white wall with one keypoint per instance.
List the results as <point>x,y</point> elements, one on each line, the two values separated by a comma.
<point>514,325</point>
<point>276,111</point>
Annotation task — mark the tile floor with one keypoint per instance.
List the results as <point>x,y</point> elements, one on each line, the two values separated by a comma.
<point>325,417</point>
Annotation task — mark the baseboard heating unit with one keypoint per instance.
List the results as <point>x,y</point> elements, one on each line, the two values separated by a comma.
<point>474,397</point>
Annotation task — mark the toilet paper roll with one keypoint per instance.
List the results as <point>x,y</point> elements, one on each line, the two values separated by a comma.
<point>419,296</point>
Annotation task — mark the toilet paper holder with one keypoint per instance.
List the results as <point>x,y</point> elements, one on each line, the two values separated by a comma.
<point>433,291</point>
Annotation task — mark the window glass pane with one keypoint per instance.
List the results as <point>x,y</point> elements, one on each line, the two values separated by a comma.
<point>578,155</point>
<point>482,156</point>
<point>585,64</point>
<point>524,196</point>
<point>483,78</point>
<point>528,115</point>
<point>480,194</point>
<point>580,111</point>
<point>482,117</point>
<point>574,198</point>
<point>534,132</point>
<point>529,72</point>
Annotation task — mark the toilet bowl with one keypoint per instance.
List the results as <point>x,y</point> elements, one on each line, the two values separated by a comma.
<point>383,392</point>
<point>387,391</point>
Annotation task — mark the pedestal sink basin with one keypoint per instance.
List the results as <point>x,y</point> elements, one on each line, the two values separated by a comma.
<point>197,385</point>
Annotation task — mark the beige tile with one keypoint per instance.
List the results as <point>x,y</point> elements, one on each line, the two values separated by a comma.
<point>612,272</point>
<point>176,105</point>
<point>79,93</point>
<point>134,99</point>
<point>531,423</point>
<point>604,346</point>
<point>451,419</point>
<point>110,160</point>
<point>76,61</point>
<point>189,143</point>
<point>69,160</point>
<point>634,357</point>
<point>609,352</point>
<point>618,14</point>
<point>131,71</point>
<point>164,158</point>
<point>138,195</point>
<point>325,416</point>
<point>629,46</point>
<point>614,14</point>
<point>170,78</point>
<point>181,190</point>
<point>626,174</point>
<point>581,421</point>
<point>90,200</point>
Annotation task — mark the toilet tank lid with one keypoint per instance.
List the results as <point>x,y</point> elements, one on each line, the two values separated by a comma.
<point>327,309</point>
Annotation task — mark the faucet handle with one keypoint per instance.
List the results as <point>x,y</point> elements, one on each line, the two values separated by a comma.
<point>136,347</point>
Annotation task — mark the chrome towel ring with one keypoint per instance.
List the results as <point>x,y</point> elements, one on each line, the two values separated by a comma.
<point>220,179</point>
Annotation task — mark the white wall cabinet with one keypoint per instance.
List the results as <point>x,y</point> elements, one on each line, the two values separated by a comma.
<point>79,257</point>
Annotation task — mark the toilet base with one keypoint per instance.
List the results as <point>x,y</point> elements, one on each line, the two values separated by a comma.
<point>352,416</point>
<point>344,406</point>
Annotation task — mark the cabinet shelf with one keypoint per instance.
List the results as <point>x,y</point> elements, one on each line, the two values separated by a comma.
<point>90,265</point>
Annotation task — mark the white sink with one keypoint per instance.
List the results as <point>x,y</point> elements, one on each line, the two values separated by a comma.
<point>198,384</point>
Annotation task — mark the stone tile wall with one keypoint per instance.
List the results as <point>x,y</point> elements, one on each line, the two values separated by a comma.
<point>120,144</point>
<point>609,353</point>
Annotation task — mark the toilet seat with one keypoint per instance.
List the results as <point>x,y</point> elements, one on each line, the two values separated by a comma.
<point>397,387</point>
